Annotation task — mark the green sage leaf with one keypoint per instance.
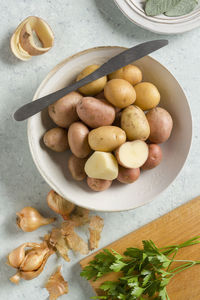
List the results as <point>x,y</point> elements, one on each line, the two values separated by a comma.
<point>184,7</point>
<point>157,7</point>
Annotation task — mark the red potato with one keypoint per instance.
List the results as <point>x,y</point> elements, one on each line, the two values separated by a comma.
<point>63,112</point>
<point>98,185</point>
<point>132,154</point>
<point>154,158</point>
<point>126,175</point>
<point>76,167</point>
<point>78,140</point>
<point>56,139</point>
<point>95,112</point>
<point>161,125</point>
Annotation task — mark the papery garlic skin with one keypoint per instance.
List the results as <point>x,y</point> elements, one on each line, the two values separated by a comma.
<point>59,204</point>
<point>29,219</point>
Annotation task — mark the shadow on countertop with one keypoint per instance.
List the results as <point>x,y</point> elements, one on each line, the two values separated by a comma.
<point>6,55</point>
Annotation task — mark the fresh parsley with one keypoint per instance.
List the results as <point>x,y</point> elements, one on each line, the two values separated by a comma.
<point>142,272</point>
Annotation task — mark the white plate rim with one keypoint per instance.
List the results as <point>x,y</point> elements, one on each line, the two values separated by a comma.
<point>48,181</point>
<point>164,28</point>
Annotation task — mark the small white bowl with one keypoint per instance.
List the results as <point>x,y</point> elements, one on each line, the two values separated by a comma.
<point>53,166</point>
<point>134,11</point>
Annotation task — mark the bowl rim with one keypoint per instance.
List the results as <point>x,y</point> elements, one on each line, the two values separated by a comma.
<point>45,176</point>
<point>147,24</point>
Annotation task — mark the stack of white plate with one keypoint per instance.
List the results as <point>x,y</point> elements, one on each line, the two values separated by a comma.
<point>134,11</point>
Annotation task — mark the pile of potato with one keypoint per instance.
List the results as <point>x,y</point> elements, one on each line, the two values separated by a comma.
<point>106,133</point>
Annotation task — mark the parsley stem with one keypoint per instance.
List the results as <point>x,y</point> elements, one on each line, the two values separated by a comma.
<point>172,260</point>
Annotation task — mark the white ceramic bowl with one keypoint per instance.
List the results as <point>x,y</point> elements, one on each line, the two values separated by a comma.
<point>53,166</point>
<point>134,11</point>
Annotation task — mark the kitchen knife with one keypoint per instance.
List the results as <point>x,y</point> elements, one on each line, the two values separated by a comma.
<point>126,57</point>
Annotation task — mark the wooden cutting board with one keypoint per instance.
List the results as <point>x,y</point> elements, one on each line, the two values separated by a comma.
<point>175,227</point>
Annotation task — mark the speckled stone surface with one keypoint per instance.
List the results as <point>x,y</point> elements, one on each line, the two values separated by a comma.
<point>77,25</point>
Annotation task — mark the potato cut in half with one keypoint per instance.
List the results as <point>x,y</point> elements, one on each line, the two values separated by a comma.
<point>132,154</point>
<point>102,165</point>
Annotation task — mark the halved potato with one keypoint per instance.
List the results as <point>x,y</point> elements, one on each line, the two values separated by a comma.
<point>102,165</point>
<point>132,154</point>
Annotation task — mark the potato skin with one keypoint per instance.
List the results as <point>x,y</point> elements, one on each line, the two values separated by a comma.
<point>106,138</point>
<point>76,167</point>
<point>63,112</point>
<point>119,93</point>
<point>161,124</point>
<point>56,139</point>
<point>100,96</point>
<point>127,175</point>
<point>134,123</point>
<point>129,73</point>
<point>98,185</point>
<point>94,87</point>
<point>78,140</point>
<point>147,95</point>
<point>154,158</point>
<point>95,112</point>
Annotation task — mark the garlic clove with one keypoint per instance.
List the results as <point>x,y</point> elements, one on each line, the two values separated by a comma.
<point>16,257</point>
<point>28,275</point>
<point>59,204</point>
<point>33,259</point>
<point>29,219</point>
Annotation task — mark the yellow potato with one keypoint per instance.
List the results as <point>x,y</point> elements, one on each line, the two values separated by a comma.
<point>129,73</point>
<point>106,138</point>
<point>147,95</point>
<point>120,93</point>
<point>134,123</point>
<point>102,165</point>
<point>94,87</point>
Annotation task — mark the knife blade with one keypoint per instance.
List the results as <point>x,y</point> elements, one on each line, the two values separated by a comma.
<point>126,57</point>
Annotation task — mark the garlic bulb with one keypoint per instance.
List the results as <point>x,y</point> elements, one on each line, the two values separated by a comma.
<point>16,257</point>
<point>33,259</point>
<point>29,219</point>
<point>29,262</point>
<point>59,204</point>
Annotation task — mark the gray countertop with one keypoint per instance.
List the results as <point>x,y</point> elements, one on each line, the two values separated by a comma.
<point>77,25</point>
